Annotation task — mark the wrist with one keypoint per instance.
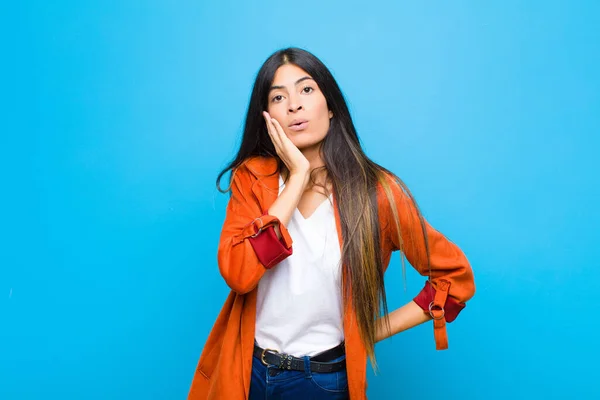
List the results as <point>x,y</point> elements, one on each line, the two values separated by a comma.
<point>301,177</point>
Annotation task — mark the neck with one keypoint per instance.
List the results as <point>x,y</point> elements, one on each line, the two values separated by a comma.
<point>313,155</point>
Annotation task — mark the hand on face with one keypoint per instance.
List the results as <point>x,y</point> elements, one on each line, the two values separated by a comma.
<point>291,156</point>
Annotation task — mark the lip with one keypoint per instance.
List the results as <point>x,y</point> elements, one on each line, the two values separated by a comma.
<point>298,124</point>
<point>297,121</point>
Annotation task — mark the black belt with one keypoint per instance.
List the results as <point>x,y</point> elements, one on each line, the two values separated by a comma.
<point>318,363</point>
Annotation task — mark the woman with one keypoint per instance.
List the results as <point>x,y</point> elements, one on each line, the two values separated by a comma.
<point>301,320</point>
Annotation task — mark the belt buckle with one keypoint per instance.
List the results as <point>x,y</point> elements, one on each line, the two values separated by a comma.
<point>262,355</point>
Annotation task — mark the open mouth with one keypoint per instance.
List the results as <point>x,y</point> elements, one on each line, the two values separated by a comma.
<point>300,125</point>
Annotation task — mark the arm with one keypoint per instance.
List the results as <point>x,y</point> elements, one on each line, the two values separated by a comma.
<point>288,200</point>
<point>253,240</point>
<point>298,167</point>
<point>248,245</point>
<point>402,319</point>
<point>451,281</point>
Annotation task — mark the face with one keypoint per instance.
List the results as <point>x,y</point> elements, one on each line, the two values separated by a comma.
<point>298,104</point>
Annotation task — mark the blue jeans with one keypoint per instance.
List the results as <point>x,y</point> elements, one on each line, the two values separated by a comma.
<point>272,383</point>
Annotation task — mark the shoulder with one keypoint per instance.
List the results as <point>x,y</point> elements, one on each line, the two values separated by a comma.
<point>259,165</point>
<point>394,199</point>
<point>255,174</point>
<point>389,187</point>
<point>253,168</point>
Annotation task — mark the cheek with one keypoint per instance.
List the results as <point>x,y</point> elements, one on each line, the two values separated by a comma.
<point>323,117</point>
<point>276,111</point>
<point>321,106</point>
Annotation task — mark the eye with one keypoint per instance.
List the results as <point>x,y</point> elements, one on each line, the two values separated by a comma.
<point>277,98</point>
<point>307,89</point>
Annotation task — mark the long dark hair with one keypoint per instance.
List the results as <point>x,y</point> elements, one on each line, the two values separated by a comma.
<point>354,178</point>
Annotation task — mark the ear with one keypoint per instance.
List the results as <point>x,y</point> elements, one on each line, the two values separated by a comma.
<point>330,114</point>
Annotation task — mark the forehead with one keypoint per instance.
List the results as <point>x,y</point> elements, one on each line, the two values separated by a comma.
<point>288,74</point>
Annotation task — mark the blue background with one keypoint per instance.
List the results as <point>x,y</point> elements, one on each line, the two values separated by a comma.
<point>117,116</point>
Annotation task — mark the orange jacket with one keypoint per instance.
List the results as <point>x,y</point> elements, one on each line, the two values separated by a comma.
<point>248,246</point>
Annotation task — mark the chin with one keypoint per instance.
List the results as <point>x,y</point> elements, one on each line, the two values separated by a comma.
<point>304,143</point>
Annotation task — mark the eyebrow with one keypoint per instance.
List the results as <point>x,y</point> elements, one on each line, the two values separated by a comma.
<point>297,82</point>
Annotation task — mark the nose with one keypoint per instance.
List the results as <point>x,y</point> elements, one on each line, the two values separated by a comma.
<point>294,108</point>
<point>294,105</point>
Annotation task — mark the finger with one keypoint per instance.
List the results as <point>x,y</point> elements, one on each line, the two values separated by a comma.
<point>291,155</point>
<point>271,130</point>
<point>286,143</point>
<point>279,130</point>
<point>287,146</point>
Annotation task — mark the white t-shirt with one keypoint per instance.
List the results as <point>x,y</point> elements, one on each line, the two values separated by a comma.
<point>299,307</point>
